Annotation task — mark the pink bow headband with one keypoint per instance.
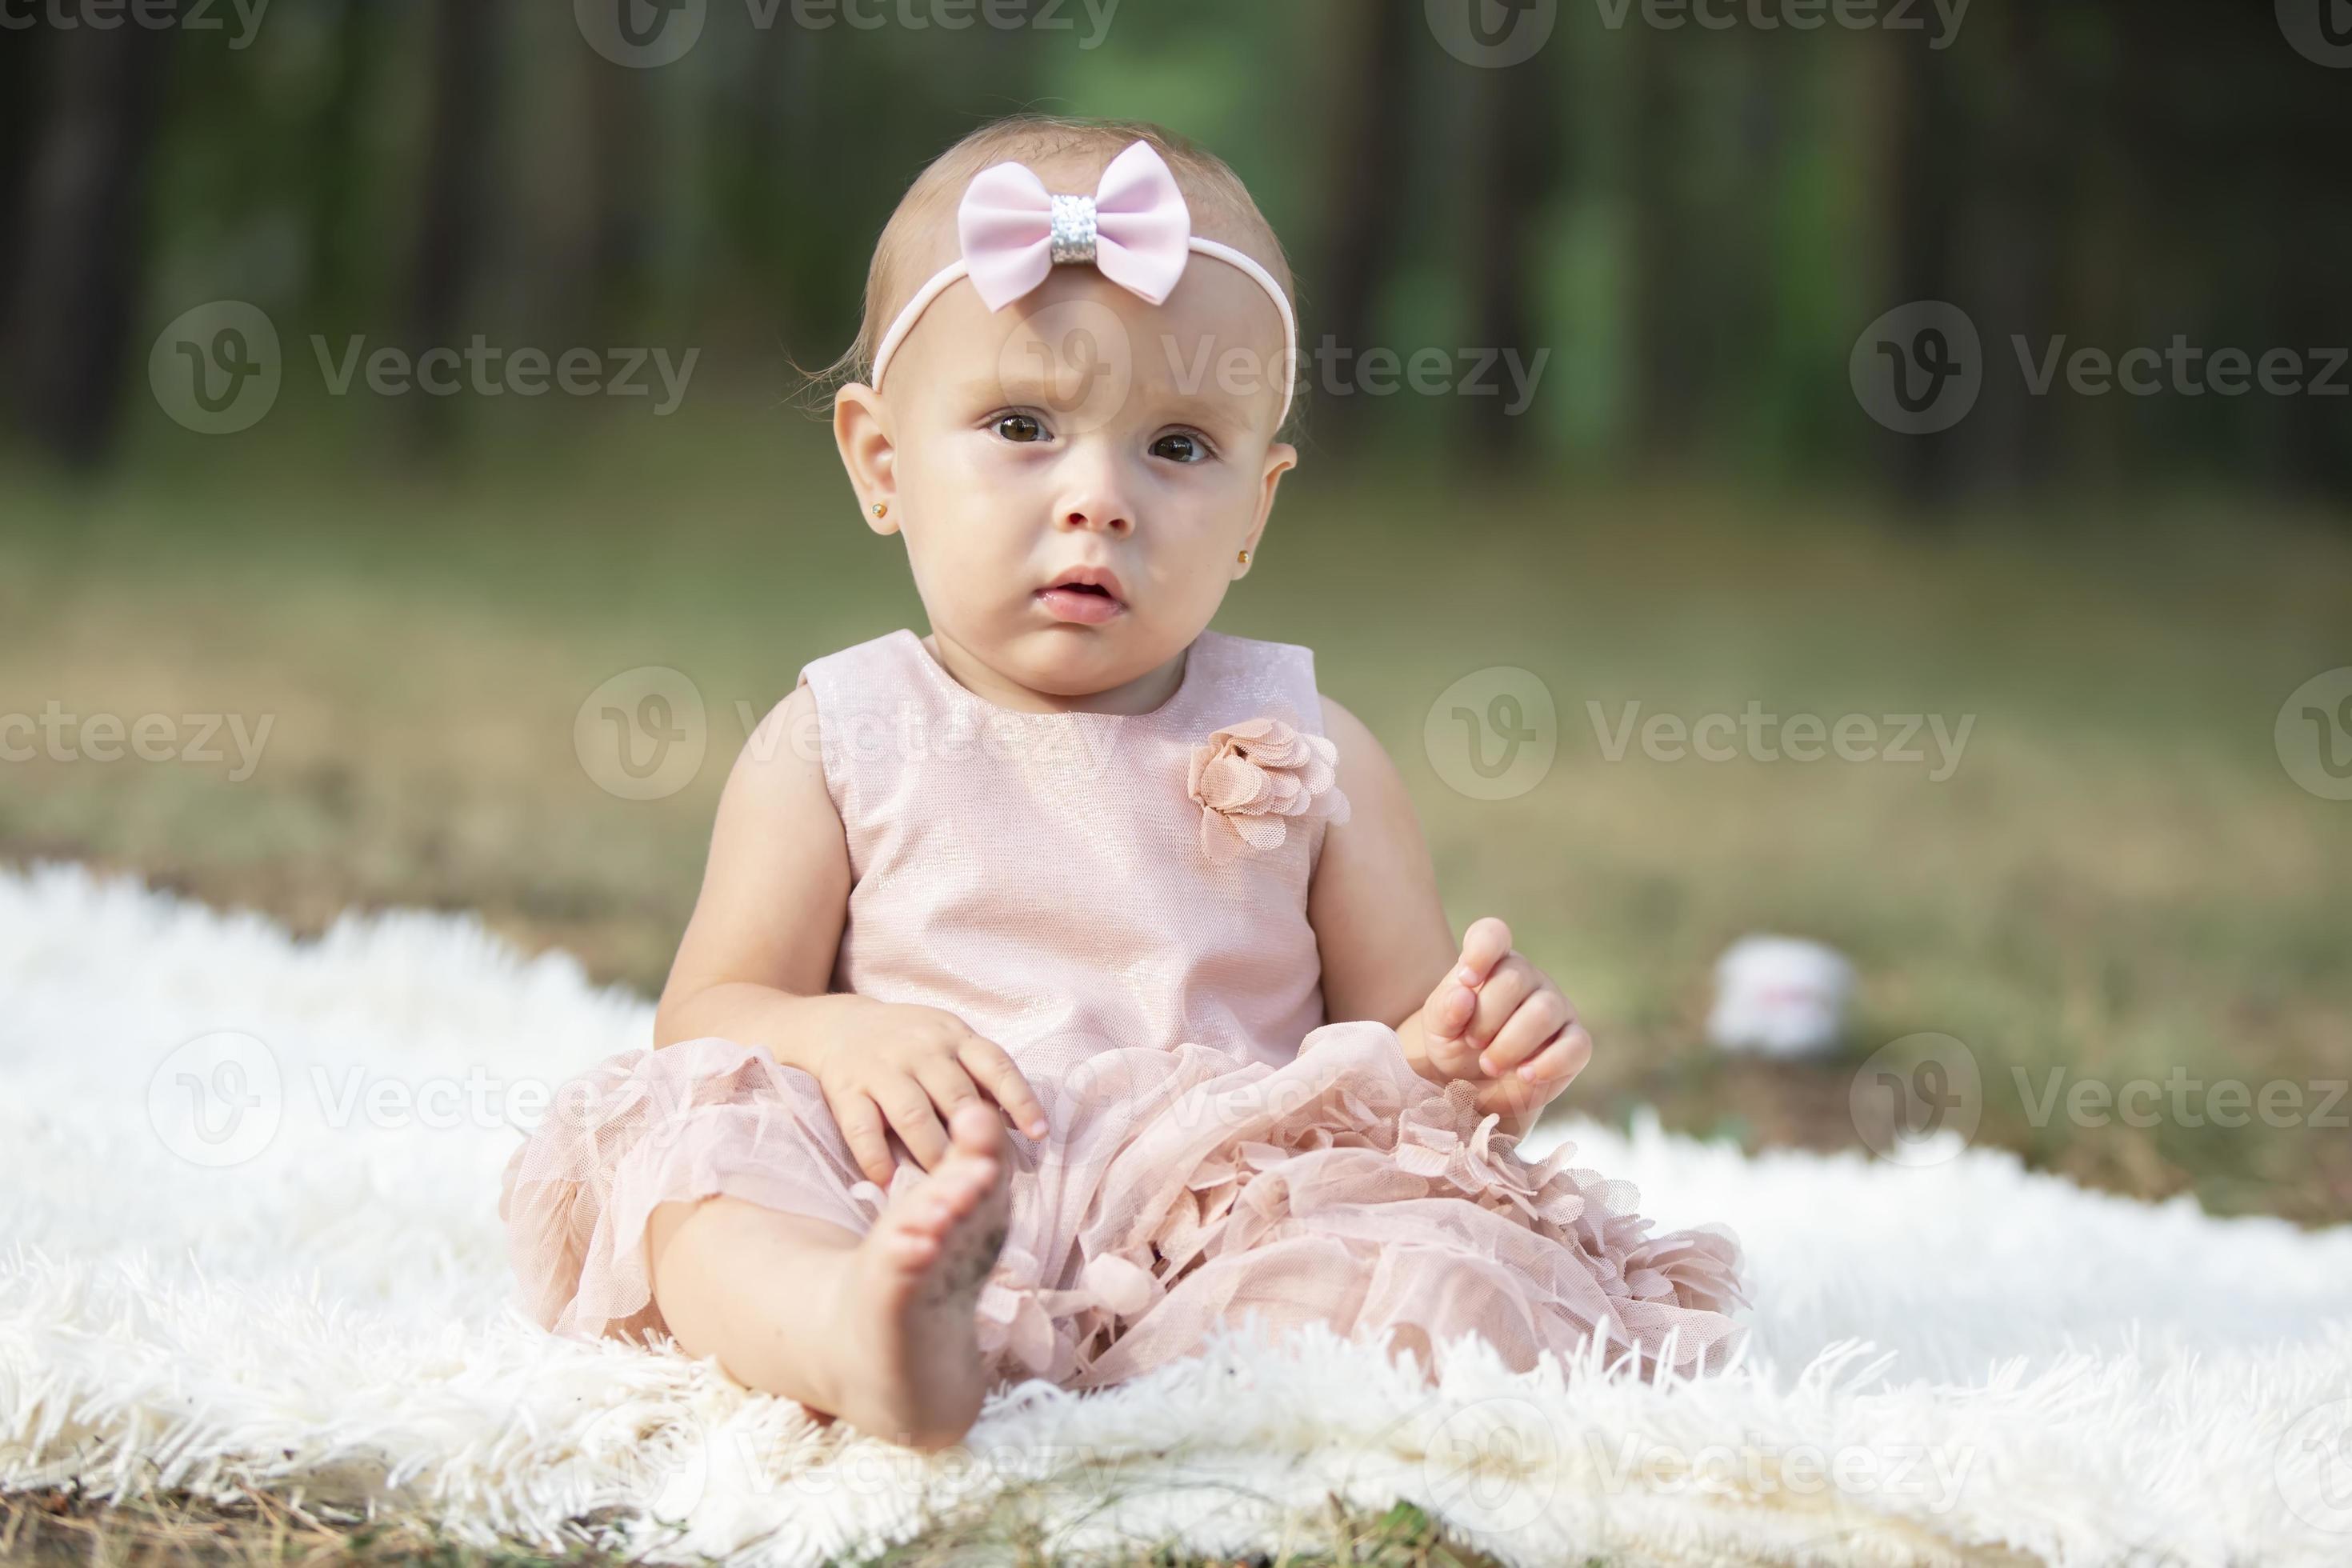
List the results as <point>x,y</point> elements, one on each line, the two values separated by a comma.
<point>1135,229</point>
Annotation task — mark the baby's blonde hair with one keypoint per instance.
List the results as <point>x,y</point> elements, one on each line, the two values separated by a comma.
<point>1222,208</point>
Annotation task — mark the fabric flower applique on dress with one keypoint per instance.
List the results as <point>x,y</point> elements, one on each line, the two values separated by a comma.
<point>1256,778</point>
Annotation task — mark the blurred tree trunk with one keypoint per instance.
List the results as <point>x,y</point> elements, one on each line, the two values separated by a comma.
<point>2025,227</point>
<point>1927,186</point>
<point>19,95</point>
<point>78,286</point>
<point>452,204</point>
<point>1367,158</point>
<point>337,177</point>
<point>1520,163</point>
<point>2307,250</point>
<point>621,238</point>
<point>1665,372</point>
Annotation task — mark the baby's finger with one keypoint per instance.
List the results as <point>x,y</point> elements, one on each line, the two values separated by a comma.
<point>909,1106</point>
<point>1486,943</point>
<point>1510,983</point>
<point>862,1129</point>
<point>1537,1019</point>
<point>994,1068</point>
<point>1448,1009</point>
<point>949,1086</point>
<point>1569,1054</point>
<point>1454,1058</point>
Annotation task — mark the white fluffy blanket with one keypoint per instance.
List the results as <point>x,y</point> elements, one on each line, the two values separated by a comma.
<point>273,1255</point>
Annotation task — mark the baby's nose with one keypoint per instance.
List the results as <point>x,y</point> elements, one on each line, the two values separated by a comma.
<point>1104,514</point>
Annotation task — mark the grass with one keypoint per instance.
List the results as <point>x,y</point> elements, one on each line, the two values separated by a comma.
<point>179,1531</point>
<point>2117,881</point>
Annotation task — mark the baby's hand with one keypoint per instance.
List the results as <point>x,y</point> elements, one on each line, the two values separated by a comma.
<point>908,1069</point>
<point>1499,1020</point>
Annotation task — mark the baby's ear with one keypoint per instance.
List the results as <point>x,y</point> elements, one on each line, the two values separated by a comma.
<point>861,430</point>
<point>1280,458</point>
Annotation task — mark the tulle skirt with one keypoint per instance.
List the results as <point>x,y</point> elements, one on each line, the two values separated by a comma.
<point>1175,1189</point>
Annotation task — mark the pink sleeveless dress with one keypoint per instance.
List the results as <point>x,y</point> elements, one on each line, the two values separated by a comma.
<point>1120,902</point>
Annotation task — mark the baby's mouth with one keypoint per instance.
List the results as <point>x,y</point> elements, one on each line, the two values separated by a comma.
<point>1088,604</point>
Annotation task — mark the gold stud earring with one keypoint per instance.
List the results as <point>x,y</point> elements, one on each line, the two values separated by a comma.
<point>881,509</point>
<point>1244,557</point>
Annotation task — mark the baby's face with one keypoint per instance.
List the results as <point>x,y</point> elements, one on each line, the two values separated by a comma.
<point>1078,427</point>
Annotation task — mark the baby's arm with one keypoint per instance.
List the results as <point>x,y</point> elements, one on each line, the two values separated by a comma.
<point>1388,955</point>
<point>757,960</point>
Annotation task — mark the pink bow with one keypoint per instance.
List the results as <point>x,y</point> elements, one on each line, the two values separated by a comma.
<point>1135,228</point>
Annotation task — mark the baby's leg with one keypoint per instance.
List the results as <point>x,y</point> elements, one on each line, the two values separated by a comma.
<point>878,1329</point>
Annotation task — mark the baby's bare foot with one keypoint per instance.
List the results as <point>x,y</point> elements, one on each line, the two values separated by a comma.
<point>913,1344</point>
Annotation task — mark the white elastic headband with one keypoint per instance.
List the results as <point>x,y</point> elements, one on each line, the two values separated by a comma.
<point>1135,229</point>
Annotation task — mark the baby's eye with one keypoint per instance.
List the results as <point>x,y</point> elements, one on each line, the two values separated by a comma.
<point>1181,447</point>
<point>1020,427</point>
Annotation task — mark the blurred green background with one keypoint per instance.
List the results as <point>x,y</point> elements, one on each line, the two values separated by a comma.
<point>1696,228</point>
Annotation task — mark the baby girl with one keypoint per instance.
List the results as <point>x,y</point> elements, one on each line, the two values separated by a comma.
<point>1073,979</point>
